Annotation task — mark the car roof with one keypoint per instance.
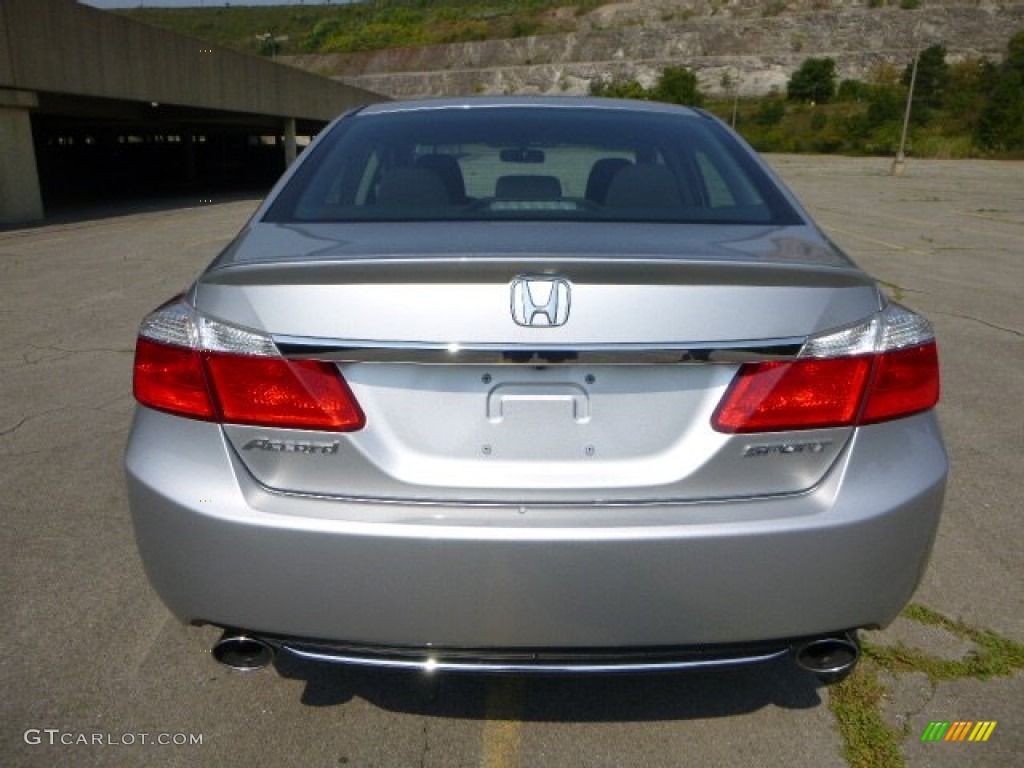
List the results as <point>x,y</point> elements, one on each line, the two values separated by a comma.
<point>557,102</point>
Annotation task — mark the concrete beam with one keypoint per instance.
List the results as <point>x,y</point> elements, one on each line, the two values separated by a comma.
<point>18,99</point>
<point>60,46</point>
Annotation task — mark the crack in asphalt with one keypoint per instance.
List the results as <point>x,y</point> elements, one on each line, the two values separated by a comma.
<point>995,326</point>
<point>33,416</point>
<point>120,431</point>
<point>904,717</point>
<point>19,454</point>
<point>61,353</point>
<point>16,427</point>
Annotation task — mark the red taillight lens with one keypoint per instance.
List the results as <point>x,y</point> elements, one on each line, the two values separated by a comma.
<point>830,392</point>
<point>244,389</point>
<point>906,381</point>
<point>170,378</point>
<point>804,394</point>
<point>275,392</point>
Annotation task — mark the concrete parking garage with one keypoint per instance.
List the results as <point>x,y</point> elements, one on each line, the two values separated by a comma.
<point>94,105</point>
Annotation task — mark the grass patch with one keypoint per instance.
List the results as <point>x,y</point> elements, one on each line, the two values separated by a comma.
<point>996,656</point>
<point>868,741</point>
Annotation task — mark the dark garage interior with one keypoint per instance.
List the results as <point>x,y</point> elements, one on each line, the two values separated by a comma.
<point>152,151</point>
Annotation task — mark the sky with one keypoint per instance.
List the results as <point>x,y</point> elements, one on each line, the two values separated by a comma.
<point>198,3</point>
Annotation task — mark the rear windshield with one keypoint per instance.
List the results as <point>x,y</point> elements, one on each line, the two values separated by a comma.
<point>530,163</point>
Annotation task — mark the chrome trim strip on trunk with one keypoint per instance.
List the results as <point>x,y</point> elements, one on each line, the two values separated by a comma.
<point>421,353</point>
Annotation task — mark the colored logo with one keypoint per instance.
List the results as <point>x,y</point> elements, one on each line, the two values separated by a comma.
<point>959,730</point>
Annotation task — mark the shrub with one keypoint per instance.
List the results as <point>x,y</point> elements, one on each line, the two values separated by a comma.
<point>619,89</point>
<point>678,85</point>
<point>322,31</point>
<point>815,81</point>
<point>852,90</point>
<point>770,112</point>
<point>885,104</point>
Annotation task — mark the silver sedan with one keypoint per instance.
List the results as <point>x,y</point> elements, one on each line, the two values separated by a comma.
<point>516,385</point>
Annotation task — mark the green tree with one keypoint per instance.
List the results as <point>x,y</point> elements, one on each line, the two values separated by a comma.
<point>1015,53</point>
<point>1002,121</point>
<point>678,85</point>
<point>932,77</point>
<point>815,81</point>
<point>971,81</point>
<point>885,104</point>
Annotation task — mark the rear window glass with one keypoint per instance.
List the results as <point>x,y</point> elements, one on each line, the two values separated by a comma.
<point>530,163</point>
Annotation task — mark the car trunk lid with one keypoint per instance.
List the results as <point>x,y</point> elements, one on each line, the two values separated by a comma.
<point>465,404</point>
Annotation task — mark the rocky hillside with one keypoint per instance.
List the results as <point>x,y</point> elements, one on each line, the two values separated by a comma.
<point>754,45</point>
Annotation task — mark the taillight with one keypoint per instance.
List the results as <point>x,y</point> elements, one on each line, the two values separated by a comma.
<point>885,368</point>
<point>274,392</point>
<point>905,381</point>
<point>171,378</point>
<point>193,366</point>
<point>804,394</point>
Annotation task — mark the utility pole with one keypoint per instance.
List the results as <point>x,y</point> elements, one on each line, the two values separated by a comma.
<point>899,165</point>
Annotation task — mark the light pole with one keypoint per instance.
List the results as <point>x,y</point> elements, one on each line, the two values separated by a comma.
<point>270,42</point>
<point>899,165</point>
<point>735,100</point>
<point>730,85</point>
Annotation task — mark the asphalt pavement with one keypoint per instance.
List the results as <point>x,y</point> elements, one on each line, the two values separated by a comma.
<point>96,672</point>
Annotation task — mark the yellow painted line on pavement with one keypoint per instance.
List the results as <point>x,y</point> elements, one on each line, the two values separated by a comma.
<point>997,219</point>
<point>503,727</point>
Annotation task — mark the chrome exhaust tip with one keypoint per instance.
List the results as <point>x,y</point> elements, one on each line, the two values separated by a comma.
<point>242,652</point>
<point>831,658</point>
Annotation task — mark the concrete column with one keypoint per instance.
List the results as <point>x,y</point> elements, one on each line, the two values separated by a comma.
<point>290,150</point>
<point>20,199</point>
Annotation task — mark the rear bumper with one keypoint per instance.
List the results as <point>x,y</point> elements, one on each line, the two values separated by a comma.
<point>219,548</point>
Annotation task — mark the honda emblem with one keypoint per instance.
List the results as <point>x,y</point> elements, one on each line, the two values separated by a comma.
<point>540,301</point>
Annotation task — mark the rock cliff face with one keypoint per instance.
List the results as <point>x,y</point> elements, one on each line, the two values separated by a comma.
<point>754,45</point>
